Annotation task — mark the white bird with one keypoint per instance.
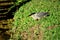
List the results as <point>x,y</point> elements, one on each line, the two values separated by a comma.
<point>39,15</point>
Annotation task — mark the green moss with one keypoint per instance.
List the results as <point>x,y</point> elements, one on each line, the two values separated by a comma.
<point>25,22</point>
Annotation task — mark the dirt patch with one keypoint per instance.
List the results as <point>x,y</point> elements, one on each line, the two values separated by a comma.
<point>52,27</point>
<point>35,33</point>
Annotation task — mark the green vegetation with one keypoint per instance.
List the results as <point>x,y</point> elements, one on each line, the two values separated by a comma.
<point>49,25</point>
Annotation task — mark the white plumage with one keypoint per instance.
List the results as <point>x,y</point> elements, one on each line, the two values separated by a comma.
<point>39,15</point>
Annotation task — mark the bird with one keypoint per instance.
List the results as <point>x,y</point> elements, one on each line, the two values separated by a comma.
<point>38,15</point>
